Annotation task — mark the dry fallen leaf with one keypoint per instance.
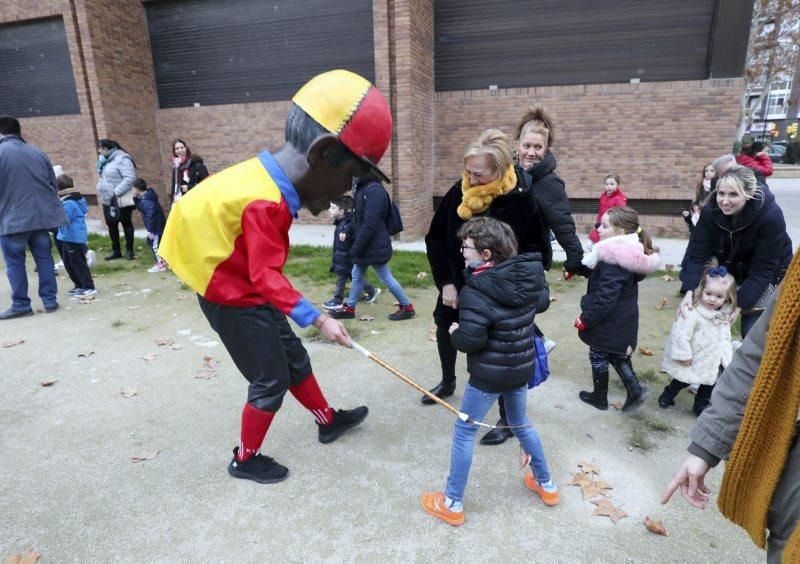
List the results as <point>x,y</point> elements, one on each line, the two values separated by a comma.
<point>366,318</point>
<point>13,343</point>
<point>655,527</point>
<point>180,298</point>
<point>590,486</point>
<point>645,351</point>
<point>145,455</point>
<point>47,383</point>
<point>149,357</point>
<point>205,374</point>
<point>559,406</point>
<point>29,557</point>
<point>667,278</point>
<point>589,468</point>
<point>616,404</point>
<point>432,334</point>
<point>210,362</point>
<point>164,342</point>
<point>662,303</point>
<point>86,354</point>
<point>607,509</point>
<point>86,300</point>
<point>128,392</point>
<point>422,275</point>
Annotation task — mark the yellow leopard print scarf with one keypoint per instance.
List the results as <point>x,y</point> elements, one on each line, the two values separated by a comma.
<point>477,199</point>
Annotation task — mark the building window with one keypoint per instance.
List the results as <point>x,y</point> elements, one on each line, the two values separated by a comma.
<point>36,76</point>
<point>210,52</point>
<point>778,103</point>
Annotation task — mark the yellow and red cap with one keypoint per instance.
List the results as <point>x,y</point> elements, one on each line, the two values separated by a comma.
<point>351,108</point>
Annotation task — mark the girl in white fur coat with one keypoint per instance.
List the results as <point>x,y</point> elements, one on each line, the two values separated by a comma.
<point>699,344</point>
<point>609,319</point>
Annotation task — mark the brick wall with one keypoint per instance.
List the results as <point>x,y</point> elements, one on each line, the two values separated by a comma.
<point>657,135</point>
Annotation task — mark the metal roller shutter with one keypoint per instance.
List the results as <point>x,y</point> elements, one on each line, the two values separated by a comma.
<point>211,52</point>
<point>35,70</point>
<point>524,43</point>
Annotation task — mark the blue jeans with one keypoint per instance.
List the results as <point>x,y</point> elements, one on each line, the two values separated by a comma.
<point>384,275</point>
<point>476,404</point>
<point>13,247</point>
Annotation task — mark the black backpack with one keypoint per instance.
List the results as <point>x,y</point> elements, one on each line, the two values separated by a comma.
<point>394,223</point>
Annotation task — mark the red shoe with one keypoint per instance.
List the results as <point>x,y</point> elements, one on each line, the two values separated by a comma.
<point>433,504</point>
<point>549,498</point>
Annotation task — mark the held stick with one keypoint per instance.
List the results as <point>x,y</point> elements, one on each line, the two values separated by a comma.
<point>461,415</point>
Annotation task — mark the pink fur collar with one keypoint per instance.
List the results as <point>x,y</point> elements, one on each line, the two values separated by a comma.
<point>625,251</point>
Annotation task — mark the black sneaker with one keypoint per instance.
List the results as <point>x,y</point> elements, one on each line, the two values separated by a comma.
<point>259,468</point>
<point>343,419</point>
<point>344,312</point>
<point>403,312</point>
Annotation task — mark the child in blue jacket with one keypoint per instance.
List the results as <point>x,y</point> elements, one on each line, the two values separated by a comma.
<point>74,237</point>
<point>146,201</point>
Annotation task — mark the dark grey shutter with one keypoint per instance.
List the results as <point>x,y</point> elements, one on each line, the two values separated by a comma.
<point>212,52</point>
<point>35,70</point>
<point>479,43</point>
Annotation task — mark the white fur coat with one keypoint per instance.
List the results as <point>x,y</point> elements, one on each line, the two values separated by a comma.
<point>704,337</point>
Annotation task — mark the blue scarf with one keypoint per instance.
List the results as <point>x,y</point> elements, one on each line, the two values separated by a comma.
<point>102,160</point>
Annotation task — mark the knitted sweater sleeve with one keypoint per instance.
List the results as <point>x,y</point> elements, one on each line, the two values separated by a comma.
<point>715,431</point>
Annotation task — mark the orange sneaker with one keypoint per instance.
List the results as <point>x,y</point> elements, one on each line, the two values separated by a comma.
<point>433,504</point>
<point>549,498</point>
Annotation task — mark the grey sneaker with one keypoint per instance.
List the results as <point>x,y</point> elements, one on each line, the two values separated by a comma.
<point>371,299</point>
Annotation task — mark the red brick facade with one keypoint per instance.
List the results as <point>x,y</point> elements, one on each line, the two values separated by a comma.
<point>656,135</point>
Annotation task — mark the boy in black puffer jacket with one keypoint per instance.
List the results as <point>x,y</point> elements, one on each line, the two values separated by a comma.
<point>503,293</point>
<point>341,212</point>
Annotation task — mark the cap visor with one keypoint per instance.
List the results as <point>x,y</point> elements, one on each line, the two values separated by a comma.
<point>375,169</point>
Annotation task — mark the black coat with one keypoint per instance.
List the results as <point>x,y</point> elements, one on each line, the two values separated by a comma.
<point>372,244</point>
<point>551,195</point>
<point>345,225</point>
<point>756,249</point>
<point>518,208</point>
<point>196,172</point>
<point>610,308</point>
<point>496,312</point>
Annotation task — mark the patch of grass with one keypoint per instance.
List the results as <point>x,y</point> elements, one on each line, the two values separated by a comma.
<point>638,438</point>
<point>101,245</point>
<point>648,375</point>
<point>312,264</point>
<point>653,423</point>
<point>117,323</point>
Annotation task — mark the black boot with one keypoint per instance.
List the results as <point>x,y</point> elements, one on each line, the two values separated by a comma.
<point>636,392</point>
<point>497,436</point>
<point>599,397</point>
<point>667,397</point>
<point>115,254</point>
<point>442,390</point>
<point>129,254</point>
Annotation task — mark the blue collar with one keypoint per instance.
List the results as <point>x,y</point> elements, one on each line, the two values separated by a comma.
<point>284,184</point>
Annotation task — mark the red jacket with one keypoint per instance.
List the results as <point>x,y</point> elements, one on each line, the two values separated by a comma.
<point>616,200</point>
<point>761,164</point>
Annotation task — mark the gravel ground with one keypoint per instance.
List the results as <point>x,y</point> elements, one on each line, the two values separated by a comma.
<point>70,490</point>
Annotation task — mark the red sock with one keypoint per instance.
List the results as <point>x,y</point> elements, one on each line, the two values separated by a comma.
<point>255,424</point>
<point>310,396</point>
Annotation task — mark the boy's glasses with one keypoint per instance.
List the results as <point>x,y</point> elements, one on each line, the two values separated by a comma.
<point>463,246</point>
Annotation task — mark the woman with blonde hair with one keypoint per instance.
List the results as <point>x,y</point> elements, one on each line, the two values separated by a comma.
<point>744,229</point>
<point>491,185</point>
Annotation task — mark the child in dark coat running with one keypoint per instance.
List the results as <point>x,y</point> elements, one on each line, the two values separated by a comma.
<point>146,201</point>
<point>341,212</point>
<point>497,306</point>
<point>609,319</point>
<point>73,238</point>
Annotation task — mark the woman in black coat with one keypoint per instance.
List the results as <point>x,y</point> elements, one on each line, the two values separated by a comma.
<point>491,185</point>
<point>187,169</point>
<point>743,228</point>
